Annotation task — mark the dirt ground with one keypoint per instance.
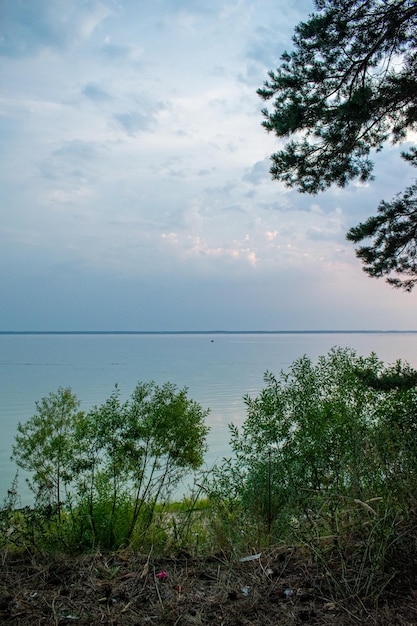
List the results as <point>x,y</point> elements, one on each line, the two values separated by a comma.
<point>276,588</point>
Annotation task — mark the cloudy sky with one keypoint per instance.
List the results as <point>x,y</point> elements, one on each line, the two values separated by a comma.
<point>135,192</point>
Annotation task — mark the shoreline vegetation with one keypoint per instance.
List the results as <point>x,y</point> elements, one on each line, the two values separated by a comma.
<point>313,519</point>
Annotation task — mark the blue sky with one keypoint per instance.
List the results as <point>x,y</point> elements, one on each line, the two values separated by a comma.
<point>135,191</point>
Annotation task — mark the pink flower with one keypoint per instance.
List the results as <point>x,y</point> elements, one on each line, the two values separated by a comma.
<point>162,575</point>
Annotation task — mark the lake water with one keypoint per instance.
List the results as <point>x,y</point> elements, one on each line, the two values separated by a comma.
<point>218,369</point>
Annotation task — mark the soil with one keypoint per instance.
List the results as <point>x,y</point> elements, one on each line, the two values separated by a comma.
<point>281,587</point>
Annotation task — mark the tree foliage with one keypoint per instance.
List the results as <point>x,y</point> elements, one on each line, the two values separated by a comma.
<point>393,252</point>
<point>323,436</point>
<point>348,87</point>
<point>138,451</point>
<point>44,445</point>
<point>108,468</point>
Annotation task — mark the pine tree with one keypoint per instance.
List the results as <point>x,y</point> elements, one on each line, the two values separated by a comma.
<point>348,87</point>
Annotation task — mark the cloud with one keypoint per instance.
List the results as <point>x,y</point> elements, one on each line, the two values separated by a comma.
<point>143,117</point>
<point>28,26</point>
<point>134,160</point>
<point>321,234</point>
<point>76,150</point>
<point>72,160</point>
<point>259,173</point>
<point>133,122</point>
<point>96,93</point>
<point>119,53</point>
<point>270,236</point>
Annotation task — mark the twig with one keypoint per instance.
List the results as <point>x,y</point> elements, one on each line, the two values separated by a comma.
<point>157,588</point>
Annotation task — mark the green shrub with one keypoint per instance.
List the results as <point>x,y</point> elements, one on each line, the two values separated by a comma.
<point>45,445</point>
<point>98,476</point>
<point>325,454</point>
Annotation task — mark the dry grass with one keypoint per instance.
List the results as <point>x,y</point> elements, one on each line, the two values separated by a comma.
<point>282,587</point>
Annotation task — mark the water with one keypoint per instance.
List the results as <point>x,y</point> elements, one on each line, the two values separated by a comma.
<point>218,369</point>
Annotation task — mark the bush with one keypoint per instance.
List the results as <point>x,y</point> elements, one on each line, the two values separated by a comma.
<point>112,464</point>
<point>45,446</point>
<point>327,459</point>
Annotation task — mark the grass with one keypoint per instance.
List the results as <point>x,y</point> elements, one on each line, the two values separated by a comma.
<point>361,572</point>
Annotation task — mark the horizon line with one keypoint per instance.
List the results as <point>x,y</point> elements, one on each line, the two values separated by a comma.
<point>201,332</point>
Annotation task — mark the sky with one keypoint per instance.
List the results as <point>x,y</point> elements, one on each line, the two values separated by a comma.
<point>134,177</point>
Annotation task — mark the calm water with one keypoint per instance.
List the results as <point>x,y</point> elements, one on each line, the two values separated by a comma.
<point>218,370</point>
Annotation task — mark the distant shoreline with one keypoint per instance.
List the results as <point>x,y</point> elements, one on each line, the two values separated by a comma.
<point>204,332</point>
